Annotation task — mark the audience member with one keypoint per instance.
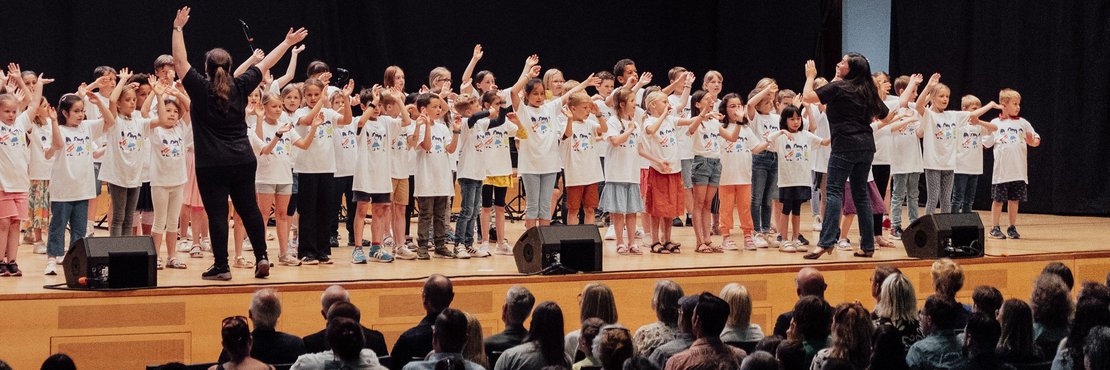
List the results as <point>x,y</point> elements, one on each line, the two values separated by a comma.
<point>851,337</point>
<point>685,336</point>
<point>939,349</point>
<point>769,344</point>
<point>948,279</point>
<point>1090,311</point>
<point>877,279</point>
<point>809,282</point>
<point>519,302</point>
<point>450,363</point>
<point>318,342</point>
<point>4,365</point>
<point>543,346</point>
<point>269,345</point>
<point>474,351</point>
<point>897,308</point>
<point>449,337</point>
<point>596,301</point>
<point>236,344</point>
<point>590,328</point>
<point>62,361</point>
<point>664,301</point>
<point>612,346</point>
<point>417,341</point>
<point>348,349</point>
<point>739,327</point>
<point>981,338</point>
<point>1016,344</point>
<point>986,299</point>
<point>760,360</point>
<point>1096,353</point>
<point>1061,270</point>
<point>792,355</point>
<point>639,363</point>
<point>888,351</point>
<point>708,352</point>
<point>1052,309</point>
<point>811,325</point>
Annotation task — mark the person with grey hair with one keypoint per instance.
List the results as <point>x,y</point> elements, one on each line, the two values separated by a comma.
<point>518,305</point>
<point>318,342</point>
<point>270,346</point>
<point>1096,352</point>
<point>683,338</point>
<point>664,301</point>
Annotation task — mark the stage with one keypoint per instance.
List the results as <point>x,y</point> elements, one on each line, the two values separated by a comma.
<point>178,321</point>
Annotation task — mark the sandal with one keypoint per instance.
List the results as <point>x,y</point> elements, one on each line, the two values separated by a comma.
<point>196,252</point>
<point>241,262</point>
<point>704,248</point>
<point>161,263</point>
<point>673,247</point>
<point>634,250</point>
<point>863,253</point>
<point>175,264</point>
<point>659,248</point>
<point>622,250</point>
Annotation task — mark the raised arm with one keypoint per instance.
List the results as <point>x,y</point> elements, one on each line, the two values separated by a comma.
<point>256,56</point>
<point>307,119</point>
<point>426,140</point>
<point>904,99</point>
<point>592,80</point>
<point>467,85</point>
<point>291,70</point>
<point>348,115</point>
<point>291,38</point>
<point>36,98</point>
<point>974,120</point>
<point>306,141</point>
<point>107,115</point>
<point>180,58</point>
<point>651,128</point>
<point>923,99</point>
<point>456,128</point>
<point>809,95</point>
<point>113,98</point>
<point>56,137</point>
<point>626,132</point>
<point>684,99</point>
<point>531,70</point>
<point>163,114</point>
<point>758,98</point>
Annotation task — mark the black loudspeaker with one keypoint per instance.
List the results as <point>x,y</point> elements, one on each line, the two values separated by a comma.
<point>559,250</point>
<point>111,262</point>
<point>951,235</point>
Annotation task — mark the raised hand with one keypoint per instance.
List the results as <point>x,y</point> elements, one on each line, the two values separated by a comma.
<point>533,71</point>
<point>512,117</point>
<point>13,70</point>
<point>102,81</point>
<point>267,79</point>
<point>318,120</point>
<point>182,17</point>
<point>350,88</point>
<point>92,97</point>
<point>19,94</point>
<point>457,125</point>
<point>82,89</point>
<point>293,37</point>
<point>666,110</point>
<point>917,78</point>
<point>285,128</point>
<point>645,79</point>
<point>934,79</point>
<point>532,61</point>
<point>257,56</point>
<point>297,49</point>
<point>477,52</point>
<point>125,74</point>
<point>690,78</point>
<point>811,69</point>
<point>593,80</point>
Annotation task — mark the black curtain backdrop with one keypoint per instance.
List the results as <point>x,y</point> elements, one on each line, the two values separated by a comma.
<point>744,40</point>
<point>1055,53</point>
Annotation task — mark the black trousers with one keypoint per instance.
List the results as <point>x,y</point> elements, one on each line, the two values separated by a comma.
<point>343,188</point>
<point>315,203</point>
<point>216,184</point>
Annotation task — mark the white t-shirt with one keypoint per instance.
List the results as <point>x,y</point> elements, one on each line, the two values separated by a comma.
<point>736,157</point>
<point>940,138</point>
<point>72,178</point>
<point>766,124</point>
<point>663,144</point>
<point>372,172</point>
<point>622,163</point>
<point>821,155</point>
<point>537,153</point>
<point>320,156</point>
<point>127,151</point>
<point>685,142</point>
<point>275,167</point>
<point>167,148</point>
<point>707,139</point>
<point>14,156</point>
<point>884,139</point>
<point>92,113</point>
<point>795,156</point>
<point>969,152</point>
<point>1010,150</point>
<point>606,113</point>
<point>471,150</point>
<point>433,167</point>
<point>583,166</point>
<point>40,167</point>
<point>346,149</point>
<point>907,151</point>
<point>495,147</point>
<point>402,161</point>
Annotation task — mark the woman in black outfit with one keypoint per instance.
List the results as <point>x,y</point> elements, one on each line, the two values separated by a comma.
<point>853,103</point>
<point>225,164</point>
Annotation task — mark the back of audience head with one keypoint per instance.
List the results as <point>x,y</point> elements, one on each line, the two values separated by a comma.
<point>639,363</point>
<point>769,344</point>
<point>236,338</point>
<point>888,351</point>
<point>1092,310</point>
<point>760,360</point>
<point>590,328</point>
<point>948,278</point>
<point>1061,270</point>
<point>345,338</point>
<point>166,366</point>
<point>740,305</point>
<point>519,302</point>
<point>1051,301</point>
<point>449,331</point>
<point>851,334</point>
<point>664,301</point>
<point>332,295</point>
<point>438,293</point>
<point>346,310</point>
<point>897,301</point>
<point>546,332</point>
<point>810,282</point>
<point>709,317</point>
<point>939,313</point>
<point>811,318</point>
<point>1016,339</point>
<point>265,309</point>
<point>474,350</point>
<point>880,275</point>
<point>792,355</point>
<point>1096,351</point>
<point>597,301</point>
<point>987,299</point>
<point>686,306</point>
<point>613,346</point>
<point>4,365</point>
<point>981,335</point>
<point>450,363</point>
<point>59,361</point>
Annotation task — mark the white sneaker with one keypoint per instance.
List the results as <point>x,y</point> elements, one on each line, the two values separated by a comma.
<point>183,245</point>
<point>403,252</point>
<point>639,233</point>
<point>460,252</point>
<point>844,245</point>
<point>483,251</point>
<point>40,247</point>
<point>51,267</point>
<point>247,246</point>
<point>91,229</point>
<point>788,247</point>
<point>773,240</point>
<point>761,240</point>
<point>611,234</point>
<point>816,223</point>
<point>270,236</point>
<point>503,248</point>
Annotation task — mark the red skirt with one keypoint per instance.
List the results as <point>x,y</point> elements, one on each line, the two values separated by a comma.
<point>663,194</point>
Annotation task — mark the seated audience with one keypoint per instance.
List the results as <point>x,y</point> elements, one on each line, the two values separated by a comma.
<point>769,344</point>
<point>897,308</point>
<point>635,363</point>
<point>982,335</point>
<point>596,301</point>
<point>948,279</point>
<point>888,352</point>
<point>877,279</point>
<point>1090,311</point>
<point>851,337</point>
<point>544,344</point>
<point>685,336</point>
<point>518,305</point>
<point>760,360</point>
<point>417,341</point>
<point>1061,270</point>
<point>939,349</point>
<point>1052,309</point>
<point>664,301</point>
<point>236,344</point>
<point>837,364</point>
<point>986,299</point>
<point>739,327</point>
<point>348,350</point>
<point>612,346</point>
<point>62,361</point>
<point>318,342</point>
<point>269,345</point>
<point>708,351</point>
<point>590,328</point>
<point>792,355</point>
<point>1096,353</point>
<point>809,282</point>
<point>1016,344</point>
<point>474,351</point>
<point>811,325</point>
<point>448,339</point>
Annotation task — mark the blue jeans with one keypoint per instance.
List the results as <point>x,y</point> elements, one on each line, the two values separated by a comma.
<point>904,191</point>
<point>844,166</point>
<point>468,211</point>
<point>963,192</point>
<point>765,173</point>
<point>62,214</point>
<point>537,195</point>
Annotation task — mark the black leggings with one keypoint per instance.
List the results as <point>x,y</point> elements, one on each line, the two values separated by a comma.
<point>493,196</point>
<point>343,188</point>
<point>882,177</point>
<point>317,209</point>
<point>792,207</point>
<point>216,184</point>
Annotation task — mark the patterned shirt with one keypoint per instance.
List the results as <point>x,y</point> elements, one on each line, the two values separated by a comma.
<point>704,356</point>
<point>651,336</point>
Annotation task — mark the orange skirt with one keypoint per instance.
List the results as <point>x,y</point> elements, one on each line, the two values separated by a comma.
<point>663,194</point>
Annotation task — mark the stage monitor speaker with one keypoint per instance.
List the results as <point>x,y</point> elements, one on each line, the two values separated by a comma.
<point>951,235</point>
<point>111,262</point>
<point>559,250</point>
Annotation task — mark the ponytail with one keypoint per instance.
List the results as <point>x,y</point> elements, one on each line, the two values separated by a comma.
<point>221,87</point>
<point>217,62</point>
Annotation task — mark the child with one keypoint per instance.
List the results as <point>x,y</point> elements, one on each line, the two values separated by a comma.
<point>400,169</point>
<point>764,165</point>
<point>15,181</point>
<point>679,100</point>
<point>499,167</point>
<point>884,141</point>
<point>906,165</point>
<point>372,181</point>
<point>969,159</point>
<point>315,169</point>
<point>736,172</point>
<point>579,151</point>
<point>819,125</point>
<point>72,182</point>
<point>346,155</point>
<point>39,135</point>
<point>1010,140</point>
<point>273,140</point>
<point>621,196</point>
<point>125,155</point>
<point>169,136</point>
<point>706,171</point>
<point>104,82</point>
<point>433,181</point>
<point>471,172</point>
<point>794,148</point>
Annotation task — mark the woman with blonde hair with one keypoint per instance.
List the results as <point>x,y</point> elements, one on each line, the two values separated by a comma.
<point>474,350</point>
<point>739,327</point>
<point>897,308</point>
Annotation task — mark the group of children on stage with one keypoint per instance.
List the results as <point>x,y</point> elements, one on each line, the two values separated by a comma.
<point>633,150</point>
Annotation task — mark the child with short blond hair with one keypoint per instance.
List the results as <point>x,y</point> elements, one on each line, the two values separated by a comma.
<point>1010,140</point>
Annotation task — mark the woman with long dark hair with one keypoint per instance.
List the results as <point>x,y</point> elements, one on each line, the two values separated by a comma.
<point>225,161</point>
<point>853,103</point>
<point>544,344</point>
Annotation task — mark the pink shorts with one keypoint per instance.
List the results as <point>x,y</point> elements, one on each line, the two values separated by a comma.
<point>14,205</point>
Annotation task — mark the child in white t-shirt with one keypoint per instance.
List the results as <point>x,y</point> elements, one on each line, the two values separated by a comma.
<point>471,172</point>
<point>15,181</point>
<point>765,188</point>
<point>706,171</point>
<point>401,157</point>
<point>582,165</point>
<point>621,196</point>
<point>126,152</point>
<point>169,137</point>
<point>373,183</point>
<point>906,165</point>
<point>498,165</point>
<point>1011,139</point>
<point>794,148</point>
<point>346,152</point>
<point>433,183</point>
<point>969,159</point>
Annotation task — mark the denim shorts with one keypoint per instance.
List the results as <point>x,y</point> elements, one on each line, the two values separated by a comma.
<point>279,189</point>
<point>706,171</point>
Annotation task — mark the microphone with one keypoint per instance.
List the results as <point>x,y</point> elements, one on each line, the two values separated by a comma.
<point>247,34</point>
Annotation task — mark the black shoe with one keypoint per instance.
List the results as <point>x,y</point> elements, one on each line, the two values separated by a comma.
<point>996,233</point>
<point>324,259</point>
<point>1012,232</point>
<point>689,222</point>
<point>13,269</point>
<point>262,269</point>
<point>443,252</point>
<point>896,232</point>
<point>217,273</point>
<point>334,242</point>
<point>677,222</point>
<point>802,239</point>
